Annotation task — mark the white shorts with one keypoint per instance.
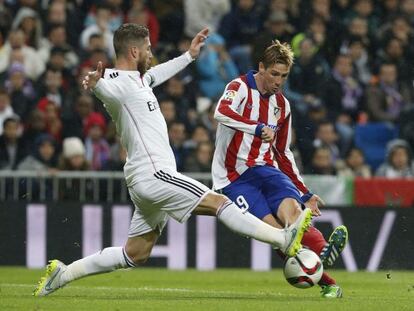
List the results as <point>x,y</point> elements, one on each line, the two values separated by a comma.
<point>166,193</point>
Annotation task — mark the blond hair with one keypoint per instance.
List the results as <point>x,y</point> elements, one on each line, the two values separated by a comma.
<point>278,53</point>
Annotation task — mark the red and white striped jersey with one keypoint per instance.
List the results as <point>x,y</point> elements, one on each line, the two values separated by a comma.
<point>239,111</point>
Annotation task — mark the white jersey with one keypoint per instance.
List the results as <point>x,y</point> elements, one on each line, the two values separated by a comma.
<point>132,105</point>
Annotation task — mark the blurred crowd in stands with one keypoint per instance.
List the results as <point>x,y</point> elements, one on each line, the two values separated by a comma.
<point>350,89</point>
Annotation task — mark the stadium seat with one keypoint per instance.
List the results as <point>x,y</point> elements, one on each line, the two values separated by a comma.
<point>372,139</point>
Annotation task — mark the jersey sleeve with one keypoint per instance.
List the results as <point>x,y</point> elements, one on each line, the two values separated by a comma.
<point>228,109</point>
<point>162,72</point>
<point>284,156</point>
<point>106,92</point>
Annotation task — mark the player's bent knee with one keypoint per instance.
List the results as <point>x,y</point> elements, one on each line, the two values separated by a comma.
<point>211,204</point>
<point>139,257</point>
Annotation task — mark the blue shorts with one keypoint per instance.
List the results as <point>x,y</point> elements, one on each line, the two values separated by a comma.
<point>261,189</point>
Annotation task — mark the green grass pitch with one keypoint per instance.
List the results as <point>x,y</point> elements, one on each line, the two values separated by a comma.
<point>230,289</point>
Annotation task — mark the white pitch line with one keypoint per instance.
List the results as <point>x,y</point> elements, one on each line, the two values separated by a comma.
<point>155,289</point>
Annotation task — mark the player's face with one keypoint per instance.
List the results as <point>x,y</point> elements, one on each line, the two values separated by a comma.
<point>273,77</point>
<point>145,56</point>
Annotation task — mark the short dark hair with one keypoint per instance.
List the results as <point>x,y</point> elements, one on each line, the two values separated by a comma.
<point>126,34</point>
<point>11,119</point>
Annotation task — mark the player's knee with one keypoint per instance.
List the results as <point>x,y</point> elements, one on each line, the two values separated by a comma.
<point>218,201</point>
<point>289,210</point>
<point>139,257</point>
<point>292,205</point>
<point>211,203</point>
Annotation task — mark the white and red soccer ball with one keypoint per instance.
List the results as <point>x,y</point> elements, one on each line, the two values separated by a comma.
<point>304,270</point>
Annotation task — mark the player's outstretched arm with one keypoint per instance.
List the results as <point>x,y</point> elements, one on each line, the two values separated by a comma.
<point>162,72</point>
<point>90,80</point>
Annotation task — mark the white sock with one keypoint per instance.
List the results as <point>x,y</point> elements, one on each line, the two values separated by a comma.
<point>108,259</point>
<point>249,225</point>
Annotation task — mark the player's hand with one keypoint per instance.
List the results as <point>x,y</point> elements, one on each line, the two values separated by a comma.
<point>313,204</point>
<point>90,80</point>
<point>198,42</point>
<point>267,134</point>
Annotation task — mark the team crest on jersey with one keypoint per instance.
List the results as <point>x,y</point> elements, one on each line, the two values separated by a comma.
<point>276,111</point>
<point>229,95</point>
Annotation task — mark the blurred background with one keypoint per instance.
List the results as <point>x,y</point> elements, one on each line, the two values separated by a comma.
<point>62,192</point>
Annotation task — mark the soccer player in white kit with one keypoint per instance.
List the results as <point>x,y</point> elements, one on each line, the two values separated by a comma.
<point>156,188</point>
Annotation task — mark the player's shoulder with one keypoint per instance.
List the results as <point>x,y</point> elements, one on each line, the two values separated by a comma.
<point>110,74</point>
<point>237,85</point>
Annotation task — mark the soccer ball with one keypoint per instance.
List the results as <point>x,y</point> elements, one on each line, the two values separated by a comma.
<point>304,270</point>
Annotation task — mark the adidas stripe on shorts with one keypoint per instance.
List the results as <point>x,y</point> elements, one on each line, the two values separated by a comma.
<point>166,193</point>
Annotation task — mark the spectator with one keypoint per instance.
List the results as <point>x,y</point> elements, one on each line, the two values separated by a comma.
<point>102,26</point>
<point>322,162</point>
<point>354,165</point>
<point>28,21</point>
<point>73,159</point>
<point>385,100</point>
<point>73,155</point>
<point>401,29</point>
<point>35,127</point>
<point>6,110</point>
<point>20,90</point>
<point>407,6</point>
<point>208,120</point>
<point>398,162</point>
<point>12,147</point>
<point>215,67</point>
<point>140,14</point>
<point>117,159</point>
<point>28,56</point>
<point>327,137</point>
<point>201,159</point>
<point>75,120</point>
<point>365,9</point>
<point>59,12</point>
<point>171,16</point>
<point>177,135</point>
<point>342,92</point>
<point>239,28</point>
<point>361,63</point>
<point>43,157</point>
<point>52,117</point>
<point>51,87</point>
<point>96,148</point>
<point>276,27</point>
<point>56,38</point>
<point>358,27</point>
<point>116,17</point>
<point>204,13</point>
<point>177,91</point>
<point>168,110</point>
<point>316,31</point>
<point>343,96</point>
<point>394,52</point>
<point>199,135</point>
<point>309,67</point>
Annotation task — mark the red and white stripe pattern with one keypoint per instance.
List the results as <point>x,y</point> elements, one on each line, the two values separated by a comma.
<point>239,111</point>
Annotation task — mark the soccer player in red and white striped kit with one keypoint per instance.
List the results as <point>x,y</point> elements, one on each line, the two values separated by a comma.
<point>253,164</point>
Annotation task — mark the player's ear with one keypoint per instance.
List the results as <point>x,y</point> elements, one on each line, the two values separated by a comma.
<point>134,52</point>
<point>262,68</point>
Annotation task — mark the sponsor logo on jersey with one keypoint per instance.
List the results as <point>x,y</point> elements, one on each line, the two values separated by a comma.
<point>229,95</point>
<point>152,105</point>
<point>273,127</point>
